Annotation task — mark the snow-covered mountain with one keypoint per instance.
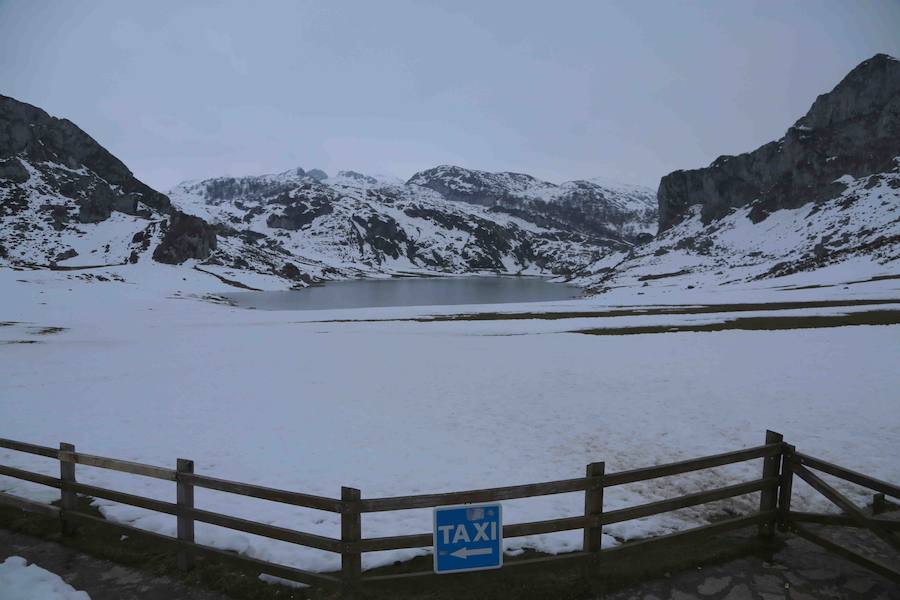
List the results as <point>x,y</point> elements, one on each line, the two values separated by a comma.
<point>852,130</point>
<point>826,195</point>
<point>592,206</point>
<point>352,224</point>
<point>857,232</point>
<point>66,201</point>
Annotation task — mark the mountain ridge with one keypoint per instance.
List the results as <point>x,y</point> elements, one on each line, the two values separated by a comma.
<point>587,205</point>
<point>828,192</point>
<point>356,223</point>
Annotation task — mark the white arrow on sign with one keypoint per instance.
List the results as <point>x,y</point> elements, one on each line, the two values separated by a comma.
<point>466,553</point>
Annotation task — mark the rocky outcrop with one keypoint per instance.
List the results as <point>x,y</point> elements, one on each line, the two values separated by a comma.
<point>298,214</point>
<point>301,205</point>
<point>185,237</point>
<point>12,170</point>
<point>358,177</point>
<point>852,130</point>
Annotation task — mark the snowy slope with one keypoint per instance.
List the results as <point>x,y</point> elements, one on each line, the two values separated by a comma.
<point>311,401</point>
<point>38,224</point>
<point>859,229</point>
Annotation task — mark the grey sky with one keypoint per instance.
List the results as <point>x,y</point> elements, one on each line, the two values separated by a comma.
<point>561,90</point>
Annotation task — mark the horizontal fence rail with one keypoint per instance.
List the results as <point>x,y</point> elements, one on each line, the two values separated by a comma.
<point>69,515</point>
<point>472,496</point>
<point>115,464</point>
<point>29,448</point>
<point>802,465</point>
<point>696,464</point>
<point>664,506</point>
<point>264,493</point>
<point>848,475</point>
<point>780,463</point>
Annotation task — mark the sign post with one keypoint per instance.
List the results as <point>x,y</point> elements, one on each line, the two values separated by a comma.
<point>468,538</point>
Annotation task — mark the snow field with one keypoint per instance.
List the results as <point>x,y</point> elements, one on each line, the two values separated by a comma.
<point>397,408</point>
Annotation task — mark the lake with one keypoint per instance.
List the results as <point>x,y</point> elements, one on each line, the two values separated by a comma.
<point>418,291</point>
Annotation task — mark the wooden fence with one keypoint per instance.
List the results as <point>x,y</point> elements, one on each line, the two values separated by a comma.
<point>780,464</point>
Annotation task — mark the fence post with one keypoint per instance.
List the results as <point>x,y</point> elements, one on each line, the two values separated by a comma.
<point>879,503</point>
<point>185,500</point>
<point>787,486</point>
<point>593,507</point>
<point>351,533</point>
<point>68,497</point>
<point>768,498</point>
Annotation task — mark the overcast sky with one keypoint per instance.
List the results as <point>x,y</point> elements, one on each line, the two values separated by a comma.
<point>561,90</point>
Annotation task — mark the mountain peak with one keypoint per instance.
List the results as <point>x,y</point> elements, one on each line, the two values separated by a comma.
<point>852,130</point>
<point>867,88</point>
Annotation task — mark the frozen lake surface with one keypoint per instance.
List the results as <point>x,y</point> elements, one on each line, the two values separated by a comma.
<point>419,291</point>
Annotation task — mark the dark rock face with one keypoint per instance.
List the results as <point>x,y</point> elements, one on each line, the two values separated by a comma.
<point>28,131</point>
<point>12,169</point>
<point>852,130</point>
<point>358,177</point>
<point>585,211</point>
<point>226,189</point>
<point>296,216</point>
<point>186,237</point>
<point>70,253</point>
<point>384,235</point>
<point>290,271</point>
<point>299,212</point>
<point>489,241</point>
<point>95,207</point>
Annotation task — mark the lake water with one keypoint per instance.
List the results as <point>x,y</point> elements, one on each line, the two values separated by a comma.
<point>421,291</point>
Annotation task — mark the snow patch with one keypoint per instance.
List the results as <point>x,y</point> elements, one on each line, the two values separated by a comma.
<point>21,581</point>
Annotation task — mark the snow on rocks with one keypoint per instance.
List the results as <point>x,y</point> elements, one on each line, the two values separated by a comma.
<point>355,225</point>
<point>860,229</point>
